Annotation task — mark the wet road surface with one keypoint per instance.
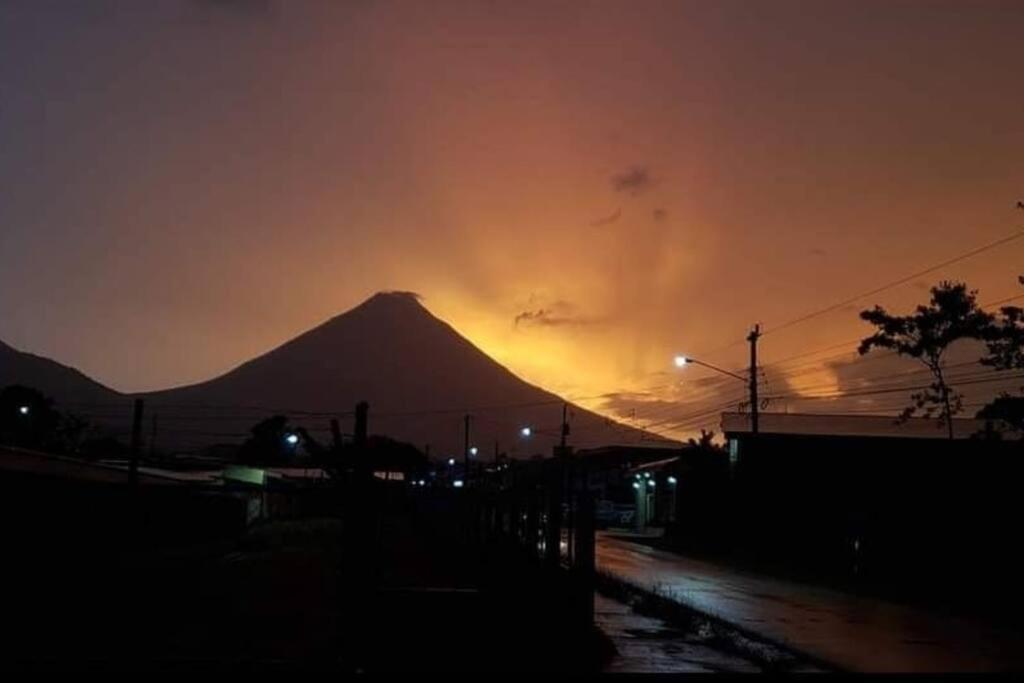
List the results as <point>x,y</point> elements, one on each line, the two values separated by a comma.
<point>854,633</point>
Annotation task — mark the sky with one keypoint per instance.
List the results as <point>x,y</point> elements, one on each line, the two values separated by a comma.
<point>583,189</point>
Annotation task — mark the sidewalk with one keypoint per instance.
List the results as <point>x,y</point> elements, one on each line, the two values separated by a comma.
<point>853,633</point>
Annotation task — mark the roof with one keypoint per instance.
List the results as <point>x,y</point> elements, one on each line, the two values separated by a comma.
<point>44,464</point>
<point>654,465</point>
<point>735,424</point>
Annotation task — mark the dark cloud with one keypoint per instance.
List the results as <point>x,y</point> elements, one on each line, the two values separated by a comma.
<point>545,317</point>
<point>860,375</point>
<point>659,214</point>
<point>634,181</point>
<point>607,220</point>
<point>558,313</point>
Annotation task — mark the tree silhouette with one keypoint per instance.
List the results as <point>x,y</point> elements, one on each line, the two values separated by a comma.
<point>27,419</point>
<point>1006,341</point>
<point>1006,352</point>
<point>273,441</point>
<point>951,315</point>
<point>706,441</point>
<point>1007,408</point>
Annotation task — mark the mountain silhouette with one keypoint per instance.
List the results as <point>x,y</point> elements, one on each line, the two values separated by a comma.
<point>70,388</point>
<point>418,374</point>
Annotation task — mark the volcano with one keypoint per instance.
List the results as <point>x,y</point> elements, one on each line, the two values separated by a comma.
<point>419,376</point>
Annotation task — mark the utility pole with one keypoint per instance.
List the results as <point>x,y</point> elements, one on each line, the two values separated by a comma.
<point>754,335</point>
<point>152,438</point>
<point>136,447</point>
<point>335,435</point>
<point>465,474</point>
<point>565,426</point>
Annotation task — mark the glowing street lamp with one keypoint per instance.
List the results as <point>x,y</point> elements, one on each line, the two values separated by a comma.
<point>291,439</point>
<point>451,462</point>
<point>23,410</point>
<point>526,432</point>
<point>683,361</point>
<point>474,450</point>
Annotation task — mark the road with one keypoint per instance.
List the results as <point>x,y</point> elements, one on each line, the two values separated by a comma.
<point>853,633</point>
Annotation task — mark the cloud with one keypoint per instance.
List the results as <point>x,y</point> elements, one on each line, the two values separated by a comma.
<point>545,317</point>
<point>558,313</point>
<point>404,293</point>
<point>635,180</point>
<point>607,220</point>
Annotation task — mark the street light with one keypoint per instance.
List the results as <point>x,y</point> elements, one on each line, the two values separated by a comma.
<point>474,450</point>
<point>451,462</point>
<point>526,432</point>
<point>24,410</point>
<point>291,439</point>
<point>683,361</point>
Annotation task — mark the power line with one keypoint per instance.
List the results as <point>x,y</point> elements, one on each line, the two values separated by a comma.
<point>896,283</point>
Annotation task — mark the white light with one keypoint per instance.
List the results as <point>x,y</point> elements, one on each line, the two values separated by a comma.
<point>451,462</point>
<point>650,482</point>
<point>636,485</point>
<point>680,361</point>
<point>423,483</point>
<point>636,476</point>
<point>23,410</point>
<point>292,439</point>
<point>457,483</point>
<point>672,480</point>
<point>526,432</point>
<point>473,450</point>
<point>647,475</point>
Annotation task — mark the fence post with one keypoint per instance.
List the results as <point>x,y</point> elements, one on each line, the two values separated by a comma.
<point>553,527</point>
<point>585,560</point>
<point>532,522</point>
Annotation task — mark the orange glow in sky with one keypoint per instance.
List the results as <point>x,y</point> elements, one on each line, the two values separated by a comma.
<point>582,189</point>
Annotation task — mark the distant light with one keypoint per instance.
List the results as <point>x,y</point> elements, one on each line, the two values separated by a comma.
<point>672,480</point>
<point>636,476</point>
<point>474,450</point>
<point>24,410</point>
<point>525,432</point>
<point>636,485</point>
<point>680,361</point>
<point>451,462</point>
<point>422,482</point>
<point>650,482</point>
<point>457,483</point>
<point>292,439</point>
<point>647,475</point>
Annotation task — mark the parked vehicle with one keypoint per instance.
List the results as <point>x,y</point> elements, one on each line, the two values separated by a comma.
<point>611,514</point>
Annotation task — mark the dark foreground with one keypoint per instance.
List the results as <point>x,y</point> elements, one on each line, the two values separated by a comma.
<point>398,591</point>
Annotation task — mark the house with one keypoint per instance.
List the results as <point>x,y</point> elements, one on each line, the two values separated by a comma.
<point>894,503</point>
